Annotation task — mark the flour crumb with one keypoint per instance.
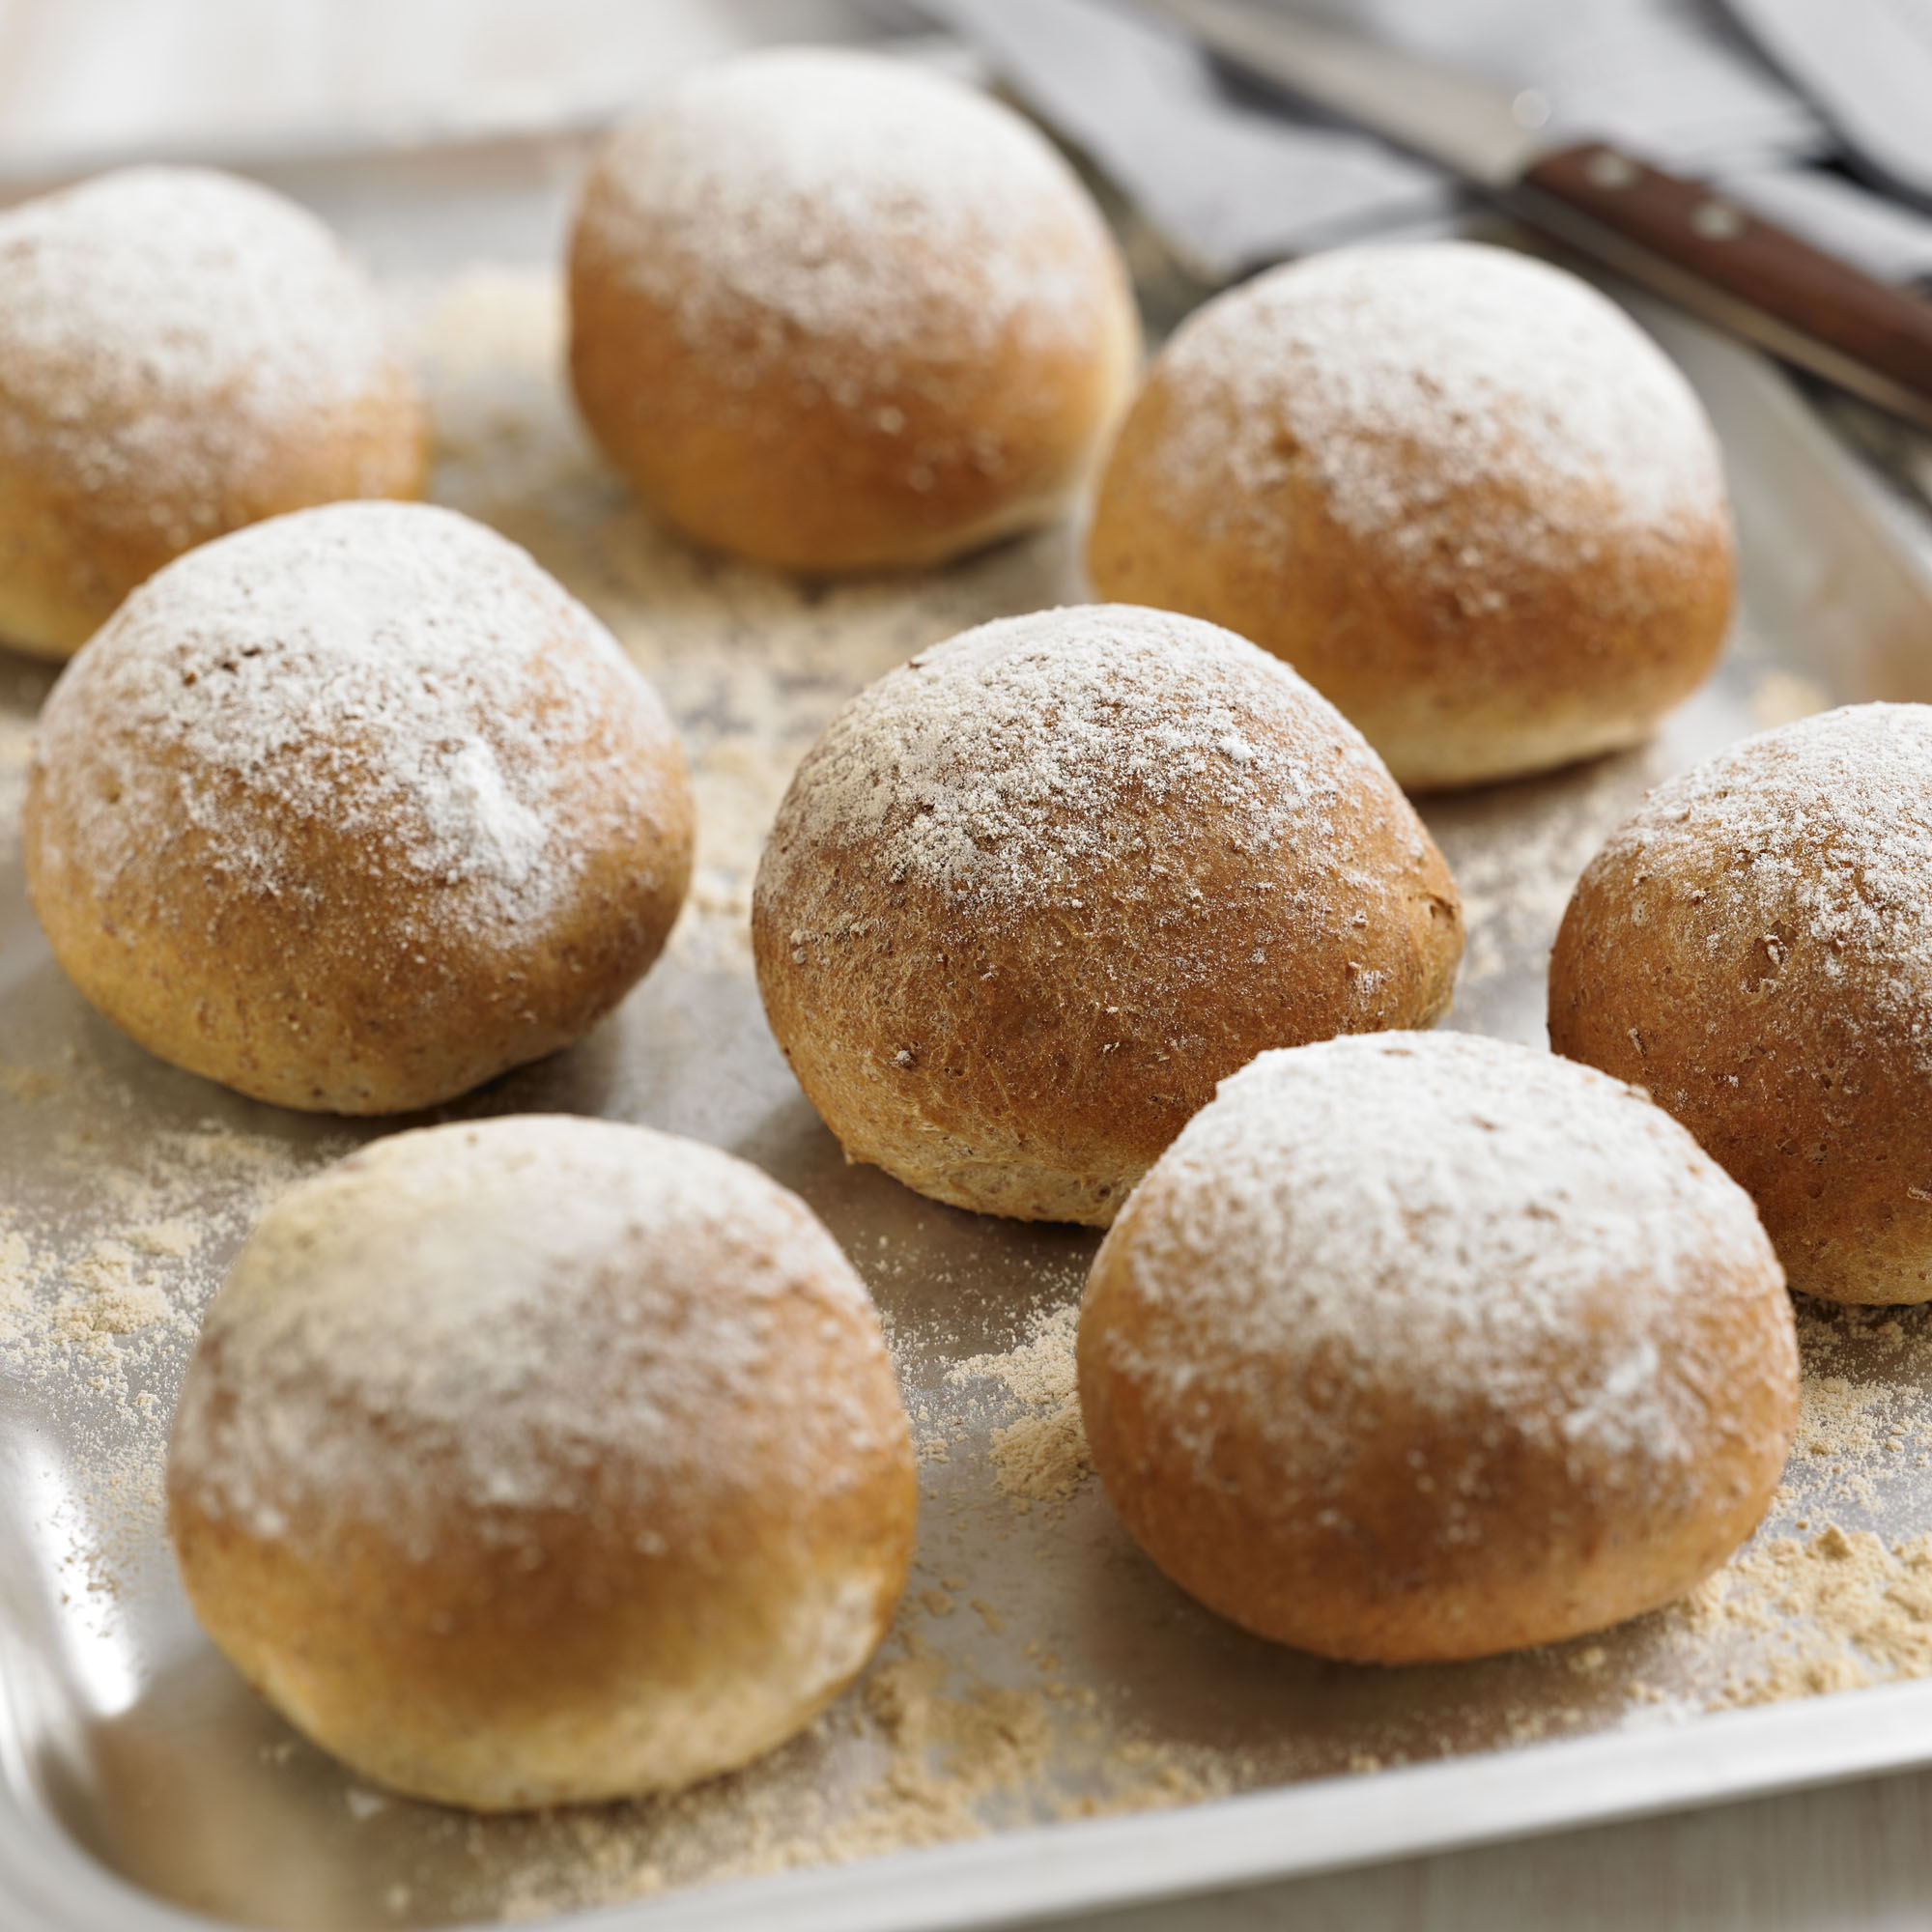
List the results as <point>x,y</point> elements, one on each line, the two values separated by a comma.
<point>104,1296</point>
<point>172,1239</point>
<point>1042,1457</point>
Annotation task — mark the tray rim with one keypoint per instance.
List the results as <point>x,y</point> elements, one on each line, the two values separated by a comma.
<point>1035,1875</point>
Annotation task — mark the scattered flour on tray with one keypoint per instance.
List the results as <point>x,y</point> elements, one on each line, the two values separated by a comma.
<point>105,1303</point>
<point>752,666</point>
<point>951,1757</point>
<point>16,740</point>
<point>109,1252</point>
<point>1836,1591</point>
<point>1042,1455</point>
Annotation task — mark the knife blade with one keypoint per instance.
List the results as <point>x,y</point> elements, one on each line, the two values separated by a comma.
<point>1675,236</point>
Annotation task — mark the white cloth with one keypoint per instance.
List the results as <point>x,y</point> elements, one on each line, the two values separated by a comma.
<point>1665,77</point>
<point>1868,65</point>
<point>1232,184</point>
<point>1226,185</point>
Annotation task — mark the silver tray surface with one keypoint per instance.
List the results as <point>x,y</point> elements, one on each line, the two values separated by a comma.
<point>142,1786</point>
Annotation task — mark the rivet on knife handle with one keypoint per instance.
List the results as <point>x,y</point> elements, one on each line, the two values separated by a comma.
<point>1688,242</point>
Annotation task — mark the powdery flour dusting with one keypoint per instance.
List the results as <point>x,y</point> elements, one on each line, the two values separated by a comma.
<point>821,205</point>
<point>113,369</point>
<point>1825,828</point>
<point>995,766</point>
<point>1413,372</point>
<point>1333,1206</point>
<point>1041,1454</point>
<point>1419,370</point>
<point>375,659</point>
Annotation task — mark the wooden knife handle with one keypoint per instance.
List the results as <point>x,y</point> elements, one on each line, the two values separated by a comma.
<point>1689,242</point>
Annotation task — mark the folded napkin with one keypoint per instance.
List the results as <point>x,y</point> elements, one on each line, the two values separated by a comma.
<point>1234,176</point>
<point>1233,180</point>
<point>1867,65</point>
<point>1228,186</point>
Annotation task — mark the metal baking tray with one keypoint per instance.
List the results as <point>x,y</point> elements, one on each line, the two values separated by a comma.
<point>1052,1727</point>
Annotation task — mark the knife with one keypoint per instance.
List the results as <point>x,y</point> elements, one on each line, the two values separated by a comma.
<point>1675,236</point>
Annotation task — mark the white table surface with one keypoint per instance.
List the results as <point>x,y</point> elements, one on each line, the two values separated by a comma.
<point>82,79</point>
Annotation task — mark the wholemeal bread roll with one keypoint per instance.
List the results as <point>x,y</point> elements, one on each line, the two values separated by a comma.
<point>1754,946</point>
<point>1029,897</point>
<point>829,311</point>
<point>1425,1347</point>
<point>354,810</point>
<point>1461,492</point>
<point>542,1460</point>
<point>181,352</point>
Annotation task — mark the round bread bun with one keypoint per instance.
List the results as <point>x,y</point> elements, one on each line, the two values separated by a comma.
<point>1754,946</point>
<point>354,810</point>
<point>1425,1347</point>
<point>181,352</point>
<point>541,1460</point>
<point>1029,897</point>
<point>1461,492</point>
<point>831,311</point>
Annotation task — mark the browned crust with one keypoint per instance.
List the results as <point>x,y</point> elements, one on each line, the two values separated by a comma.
<point>1357,1556</point>
<point>1455,672</point>
<point>1036,1062</point>
<point>1790,1059</point>
<point>371,991</point>
<point>532,1657</point>
<point>73,545</point>
<point>776,466</point>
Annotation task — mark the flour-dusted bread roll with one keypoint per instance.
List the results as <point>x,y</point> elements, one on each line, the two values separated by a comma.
<point>354,810</point>
<point>181,352</point>
<point>1425,1347</point>
<point>541,1460</point>
<point>1754,946</point>
<point>1461,492</point>
<point>830,310</point>
<point>1032,895</point>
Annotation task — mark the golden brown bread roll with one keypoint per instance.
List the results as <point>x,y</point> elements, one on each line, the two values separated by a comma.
<point>354,810</point>
<point>541,1460</point>
<point>181,352</point>
<point>830,310</point>
<point>1029,897</point>
<point>1425,1347</point>
<point>1754,946</point>
<point>1461,492</point>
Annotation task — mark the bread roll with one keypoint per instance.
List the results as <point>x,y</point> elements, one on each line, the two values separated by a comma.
<point>830,311</point>
<point>1461,492</point>
<point>181,352</point>
<point>1032,895</point>
<point>1422,1347</point>
<point>1754,946</point>
<point>354,810</point>
<point>542,1460</point>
